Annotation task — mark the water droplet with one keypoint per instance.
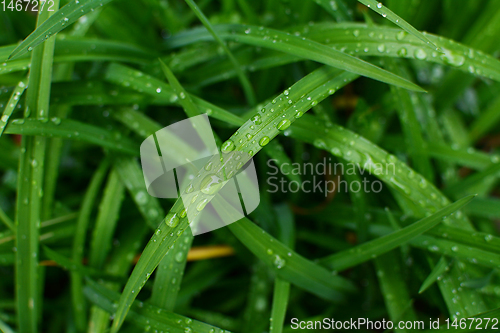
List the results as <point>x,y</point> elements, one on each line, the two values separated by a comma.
<point>355,33</point>
<point>5,118</point>
<point>279,262</point>
<point>381,48</point>
<point>284,124</point>
<point>420,54</point>
<point>257,120</point>
<point>402,52</point>
<point>202,205</point>
<point>179,256</point>
<point>211,184</point>
<point>401,35</point>
<point>264,141</point>
<point>172,220</point>
<point>379,5</point>
<point>56,120</point>
<point>158,90</point>
<point>228,146</point>
<point>452,59</point>
<point>153,213</point>
<point>30,49</point>
<point>190,188</point>
<point>141,197</point>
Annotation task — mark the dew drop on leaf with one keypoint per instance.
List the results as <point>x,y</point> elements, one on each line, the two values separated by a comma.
<point>264,141</point>
<point>228,146</point>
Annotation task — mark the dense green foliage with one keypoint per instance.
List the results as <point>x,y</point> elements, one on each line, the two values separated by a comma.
<point>417,113</point>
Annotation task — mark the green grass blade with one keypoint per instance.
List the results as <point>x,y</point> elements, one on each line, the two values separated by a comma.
<point>405,107</point>
<point>337,9</point>
<point>159,244</point>
<point>119,264</point>
<point>106,221</point>
<point>149,85</point>
<point>147,316</point>
<point>78,49</point>
<point>391,16</point>
<point>486,121</point>
<point>169,274</point>
<point>287,264</point>
<point>185,99</point>
<point>77,268</point>
<point>352,257</point>
<point>57,22</point>
<point>30,188</point>
<point>131,176</point>
<point>11,104</point>
<point>308,49</point>
<point>468,157</point>
<point>281,287</point>
<point>441,267</point>
<point>7,221</point>
<point>396,295</point>
<point>73,130</point>
<point>468,184</point>
<point>280,302</point>
<point>256,312</point>
<point>247,86</point>
<point>359,39</point>
<point>78,299</point>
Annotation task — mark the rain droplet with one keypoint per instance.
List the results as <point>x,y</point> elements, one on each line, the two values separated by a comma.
<point>257,119</point>
<point>179,256</point>
<point>172,220</point>
<point>401,35</point>
<point>402,52</point>
<point>210,184</point>
<point>202,205</point>
<point>420,54</point>
<point>284,124</point>
<point>228,146</point>
<point>452,59</point>
<point>264,141</point>
<point>279,262</point>
<point>141,197</point>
